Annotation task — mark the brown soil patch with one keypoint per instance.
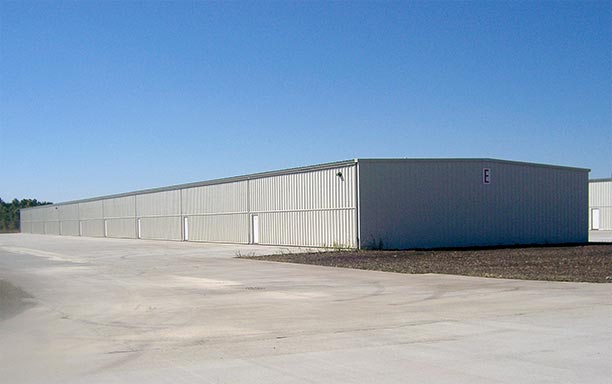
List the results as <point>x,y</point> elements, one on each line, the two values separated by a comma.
<point>584,263</point>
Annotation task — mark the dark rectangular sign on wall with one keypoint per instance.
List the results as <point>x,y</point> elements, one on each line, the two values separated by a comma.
<point>486,175</point>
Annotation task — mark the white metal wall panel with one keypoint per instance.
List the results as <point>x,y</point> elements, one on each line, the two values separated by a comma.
<point>444,203</point>
<point>600,193</point>
<point>92,228</point>
<point>37,214</point>
<point>165,203</point>
<point>25,214</point>
<point>600,196</point>
<point>38,227</point>
<point>219,198</point>
<point>326,228</point>
<point>69,212</point>
<point>25,220</point>
<point>69,219</point>
<point>52,227</point>
<point>304,191</point>
<point>161,228</point>
<point>26,227</point>
<point>91,210</point>
<point>120,207</point>
<point>51,213</point>
<point>121,228</point>
<point>231,228</point>
<point>69,227</point>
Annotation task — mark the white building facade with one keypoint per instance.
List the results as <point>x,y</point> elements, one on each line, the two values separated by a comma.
<point>600,204</point>
<point>362,203</point>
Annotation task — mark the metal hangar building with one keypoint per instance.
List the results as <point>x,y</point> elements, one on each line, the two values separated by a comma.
<point>360,203</point>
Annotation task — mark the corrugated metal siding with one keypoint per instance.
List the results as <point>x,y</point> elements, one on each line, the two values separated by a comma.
<point>158,204</point>
<point>160,228</point>
<point>304,191</point>
<point>69,227</point>
<point>52,227</point>
<point>121,207</point>
<point>121,228</point>
<point>217,213</point>
<point>26,227</point>
<point>600,193</point>
<point>25,215</point>
<point>69,219</point>
<point>38,214</point>
<point>91,210</point>
<point>92,228</point>
<point>221,198</point>
<point>50,219</point>
<point>230,228</point>
<point>32,220</point>
<point>159,215</point>
<point>25,220</point>
<point>315,208</point>
<point>600,197</point>
<point>69,212</point>
<point>51,213</point>
<point>38,227</point>
<point>422,204</point>
<point>326,228</point>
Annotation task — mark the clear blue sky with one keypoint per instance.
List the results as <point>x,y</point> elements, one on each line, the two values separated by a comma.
<point>107,97</point>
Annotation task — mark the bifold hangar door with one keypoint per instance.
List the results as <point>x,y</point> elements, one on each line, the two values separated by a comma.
<point>216,213</point>
<point>316,208</point>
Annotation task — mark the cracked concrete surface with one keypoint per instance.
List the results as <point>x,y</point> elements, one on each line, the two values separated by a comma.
<point>125,311</point>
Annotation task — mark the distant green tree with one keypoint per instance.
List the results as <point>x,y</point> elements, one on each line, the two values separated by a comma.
<point>9,213</point>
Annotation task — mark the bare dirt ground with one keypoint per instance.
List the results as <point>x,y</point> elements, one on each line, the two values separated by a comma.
<point>584,263</point>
